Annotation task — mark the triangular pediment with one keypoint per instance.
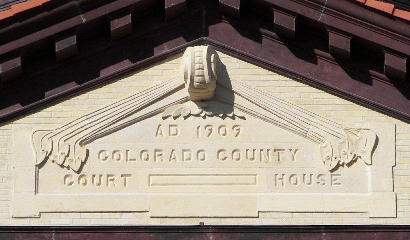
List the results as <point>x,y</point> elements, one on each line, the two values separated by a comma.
<point>203,89</point>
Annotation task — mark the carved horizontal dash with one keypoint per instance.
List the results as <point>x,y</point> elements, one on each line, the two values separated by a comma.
<point>201,179</point>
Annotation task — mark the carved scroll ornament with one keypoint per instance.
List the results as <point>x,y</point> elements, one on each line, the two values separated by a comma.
<point>194,93</point>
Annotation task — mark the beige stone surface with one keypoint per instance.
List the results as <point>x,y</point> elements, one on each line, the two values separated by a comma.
<point>259,159</point>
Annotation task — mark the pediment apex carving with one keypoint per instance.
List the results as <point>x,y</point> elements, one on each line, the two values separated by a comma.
<point>204,80</point>
<point>199,66</point>
<point>203,109</point>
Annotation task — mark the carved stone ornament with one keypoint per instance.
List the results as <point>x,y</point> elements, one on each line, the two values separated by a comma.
<point>200,84</point>
<point>201,109</point>
<point>199,69</point>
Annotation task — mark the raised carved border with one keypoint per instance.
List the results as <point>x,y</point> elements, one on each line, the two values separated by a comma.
<point>381,191</point>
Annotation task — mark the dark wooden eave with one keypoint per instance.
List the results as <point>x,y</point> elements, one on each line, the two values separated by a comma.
<point>342,48</point>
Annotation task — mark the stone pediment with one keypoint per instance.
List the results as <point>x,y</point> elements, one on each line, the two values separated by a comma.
<point>203,80</point>
<point>203,132</point>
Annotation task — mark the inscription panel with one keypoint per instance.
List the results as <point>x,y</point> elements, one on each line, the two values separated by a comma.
<point>199,147</point>
<point>250,148</point>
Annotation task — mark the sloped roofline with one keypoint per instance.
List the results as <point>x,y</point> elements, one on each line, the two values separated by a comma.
<point>229,29</point>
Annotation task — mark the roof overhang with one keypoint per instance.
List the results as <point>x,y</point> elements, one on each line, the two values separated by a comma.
<point>338,46</point>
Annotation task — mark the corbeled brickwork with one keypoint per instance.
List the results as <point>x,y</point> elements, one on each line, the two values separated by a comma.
<point>313,99</point>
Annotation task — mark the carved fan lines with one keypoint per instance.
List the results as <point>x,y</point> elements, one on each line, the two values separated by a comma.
<point>96,135</point>
<point>283,124</point>
<point>285,112</point>
<point>92,122</point>
<point>140,103</point>
<point>238,102</point>
<point>107,119</point>
<point>124,116</point>
<point>279,113</point>
<point>289,108</point>
<point>292,106</point>
<point>92,138</point>
<point>336,145</point>
<point>113,106</point>
<point>263,117</point>
<point>95,113</point>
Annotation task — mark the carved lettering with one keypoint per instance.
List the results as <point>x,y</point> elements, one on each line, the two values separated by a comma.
<point>278,154</point>
<point>222,131</point>
<point>250,154</point>
<point>111,179</point>
<point>283,180</point>
<point>321,179</point>
<point>294,179</point>
<point>128,159</point>
<point>116,155</point>
<point>125,178</point>
<point>82,180</point>
<point>201,155</point>
<point>97,180</point>
<point>307,179</point>
<point>265,155</point>
<point>293,153</point>
<point>154,155</point>
<point>237,130</point>
<point>335,179</point>
<point>144,155</point>
<point>186,155</point>
<point>221,155</point>
<point>210,130</point>
<point>102,155</point>
<point>159,132</point>
<point>172,130</point>
<point>236,155</point>
<point>260,155</point>
<point>279,180</point>
<point>172,156</point>
<point>94,181</point>
<point>158,153</point>
<point>68,180</point>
